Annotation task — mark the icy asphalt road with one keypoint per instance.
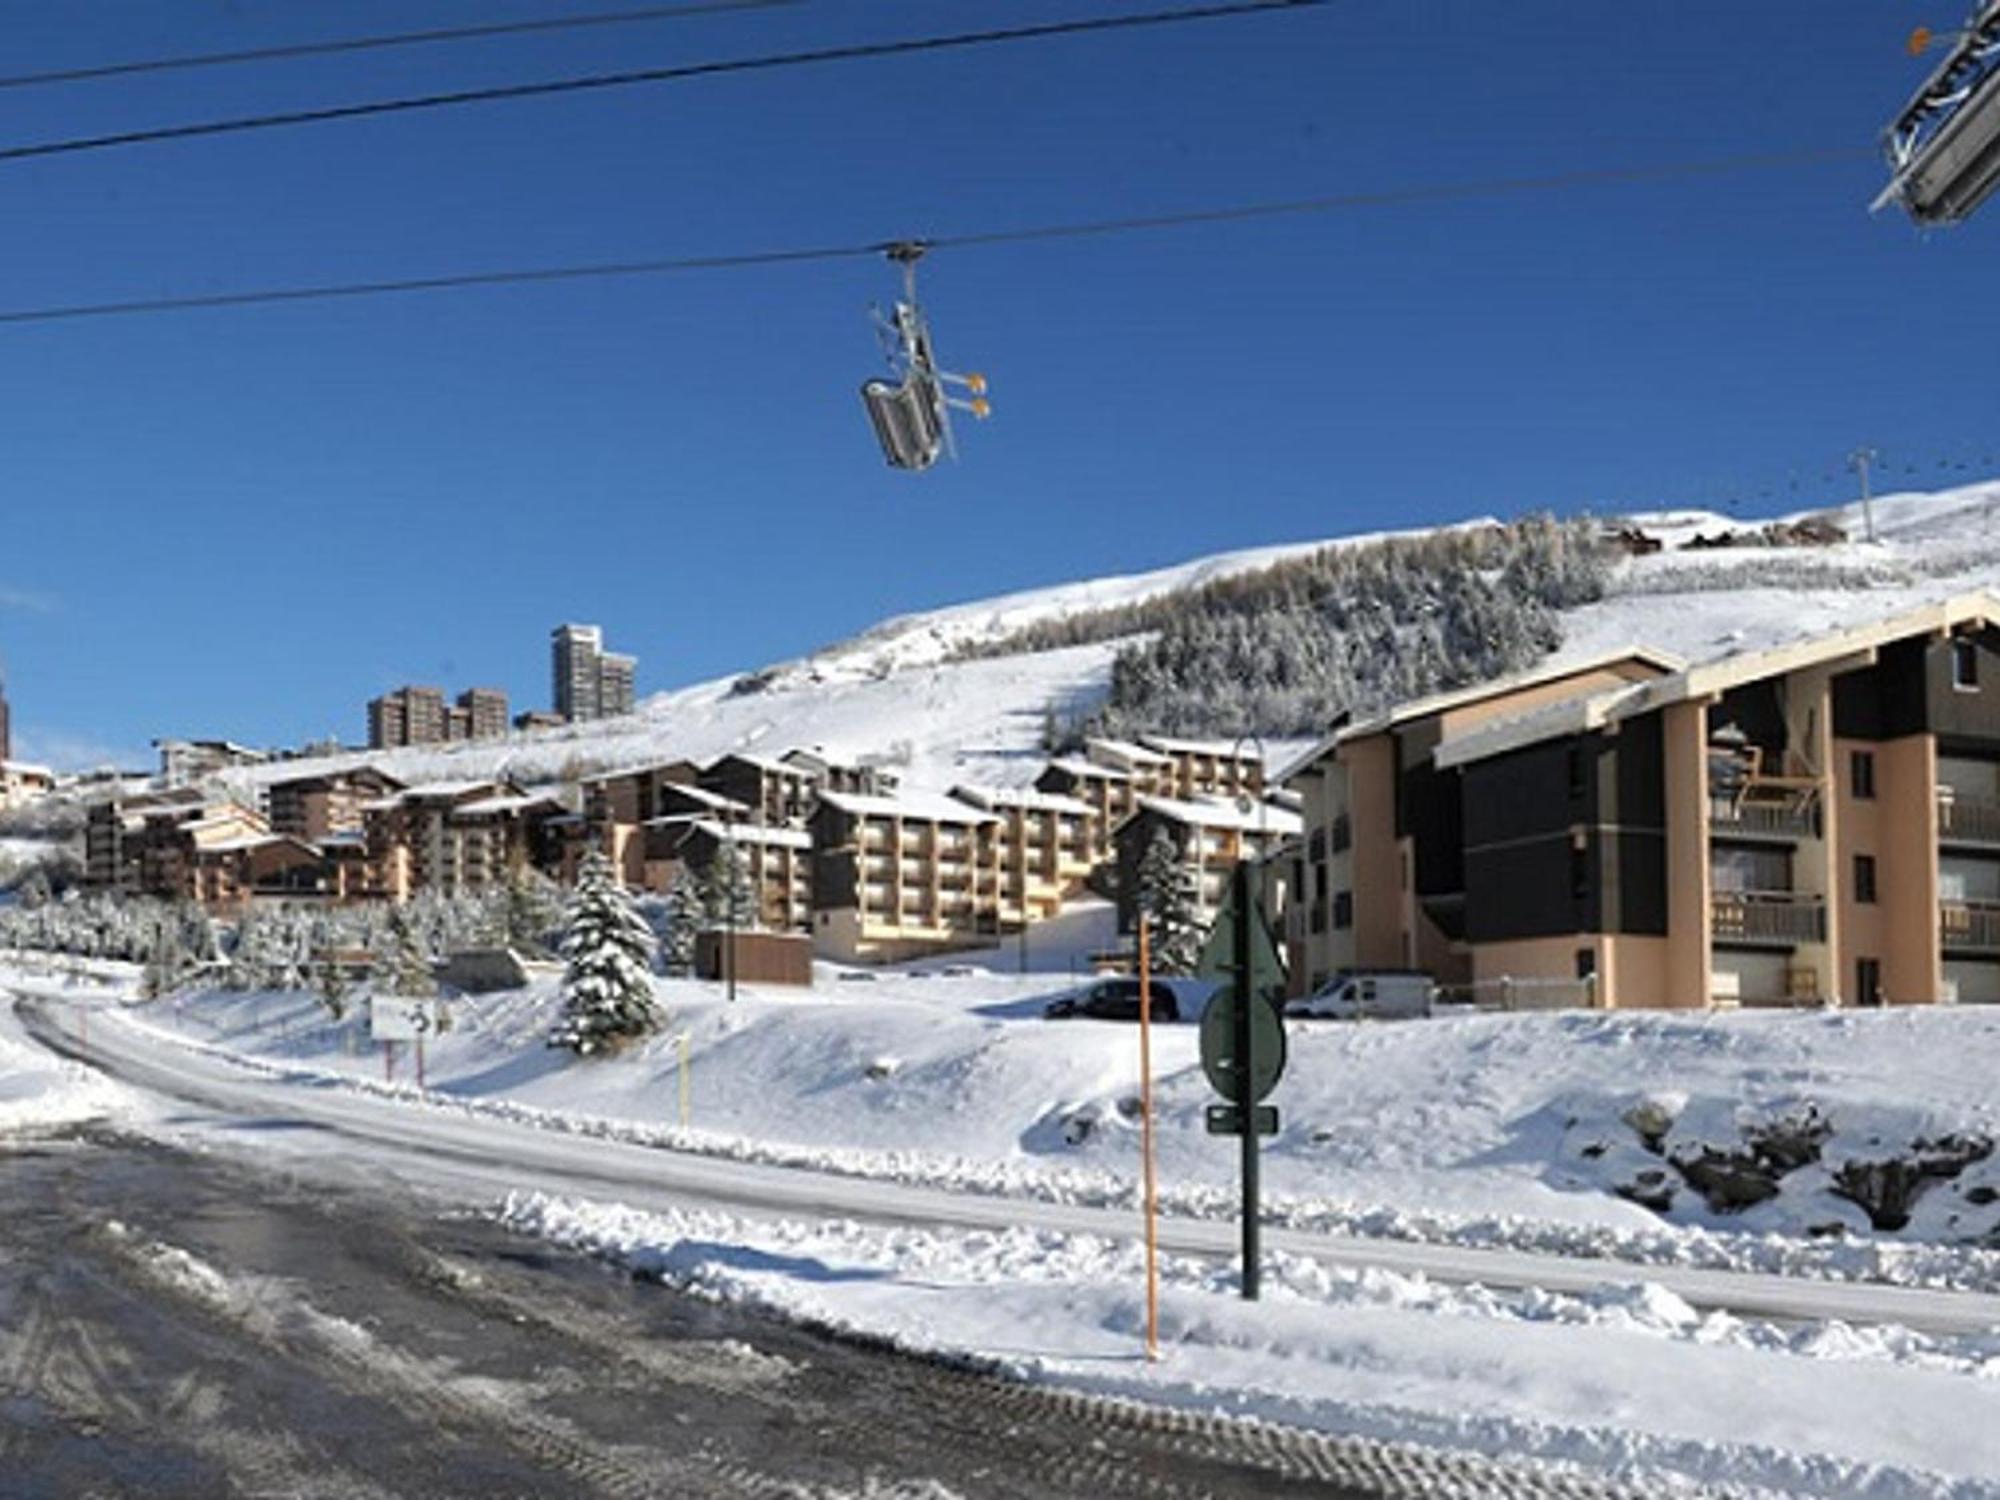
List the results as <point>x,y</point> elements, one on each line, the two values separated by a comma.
<point>476,1160</point>
<point>175,1326</point>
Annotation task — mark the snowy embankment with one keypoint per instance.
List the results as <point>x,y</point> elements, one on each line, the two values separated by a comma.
<point>954,1080</point>
<point>40,1092</point>
<point>1600,1135</point>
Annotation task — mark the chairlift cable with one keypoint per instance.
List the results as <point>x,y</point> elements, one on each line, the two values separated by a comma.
<point>290,51</point>
<point>593,82</point>
<point>1083,229</point>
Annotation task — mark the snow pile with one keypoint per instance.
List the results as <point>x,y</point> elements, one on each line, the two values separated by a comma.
<point>1522,1131</point>
<point>41,1092</point>
<point>1630,1381</point>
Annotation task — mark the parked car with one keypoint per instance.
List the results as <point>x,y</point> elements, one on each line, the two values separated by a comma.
<point>1115,999</point>
<point>1374,995</point>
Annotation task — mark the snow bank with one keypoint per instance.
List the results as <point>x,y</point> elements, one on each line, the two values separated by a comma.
<point>39,1091</point>
<point>1510,1131</point>
<point>1633,1382</point>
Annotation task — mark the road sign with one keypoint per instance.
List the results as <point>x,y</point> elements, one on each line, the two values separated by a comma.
<point>1227,1119</point>
<point>1221,1040</point>
<point>397,1018</point>
<point>1219,958</point>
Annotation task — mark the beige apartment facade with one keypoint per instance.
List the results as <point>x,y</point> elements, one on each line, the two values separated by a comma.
<point>1818,823</point>
<point>1042,845</point>
<point>903,877</point>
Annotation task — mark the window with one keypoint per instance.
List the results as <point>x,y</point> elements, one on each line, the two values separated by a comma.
<point>1343,909</point>
<point>1965,665</point>
<point>1575,773</point>
<point>1861,774</point>
<point>1579,872</point>
<point>1864,878</point>
<point>1586,963</point>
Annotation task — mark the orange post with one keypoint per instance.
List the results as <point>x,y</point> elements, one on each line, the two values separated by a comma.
<point>1146,1144</point>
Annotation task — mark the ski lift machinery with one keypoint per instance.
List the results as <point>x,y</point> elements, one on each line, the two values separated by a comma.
<point>912,410</point>
<point>1944,147</point>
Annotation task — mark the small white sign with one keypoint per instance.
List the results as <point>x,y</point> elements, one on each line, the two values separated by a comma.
<point>397,1018</point>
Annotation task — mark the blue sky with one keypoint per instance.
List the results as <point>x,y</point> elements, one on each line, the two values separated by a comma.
<point>245,523</point>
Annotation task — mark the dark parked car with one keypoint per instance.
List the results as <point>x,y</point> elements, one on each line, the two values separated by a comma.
<point>1115,1000</point>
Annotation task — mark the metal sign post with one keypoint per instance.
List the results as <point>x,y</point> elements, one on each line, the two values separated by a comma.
<point>1152,1195</point>
<point>1243,1044</point>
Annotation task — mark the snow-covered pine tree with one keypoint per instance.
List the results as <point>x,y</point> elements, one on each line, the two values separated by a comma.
<point>680,925</point>
<point>607,951</point>
<point>726,897</point>
<point>1169,893</point>
<point>531,910</point>
<point>168,963</point>
<point>407,965</point>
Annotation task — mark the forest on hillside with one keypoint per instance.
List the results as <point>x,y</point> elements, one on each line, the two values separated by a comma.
<point>1285,650</point>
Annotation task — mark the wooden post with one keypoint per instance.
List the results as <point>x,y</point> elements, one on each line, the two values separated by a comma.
<point>1146,1143</point>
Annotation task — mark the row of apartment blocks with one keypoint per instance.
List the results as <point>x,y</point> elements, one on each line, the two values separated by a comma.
<point>874,873</point>
<point>1813,823</point>
<point>414,715</point>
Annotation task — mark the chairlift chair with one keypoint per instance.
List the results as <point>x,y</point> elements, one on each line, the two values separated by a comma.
<point>911,411</point>
<point>1944,147</point>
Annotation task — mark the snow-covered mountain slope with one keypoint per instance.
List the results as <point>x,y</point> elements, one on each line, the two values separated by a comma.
<point>896,695</point>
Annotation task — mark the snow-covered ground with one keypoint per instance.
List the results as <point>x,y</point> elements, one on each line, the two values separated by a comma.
<point>1455,1127</point>
<point>39,1091</point>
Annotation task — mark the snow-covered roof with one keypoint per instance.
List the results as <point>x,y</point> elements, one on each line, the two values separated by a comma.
<point>1243,749</point>
<point>1126,751</point>
<point>767,763</point>
<point>515,802</point>
<point>646,768</point>
<point>926,806</point>
<point>1091,768</point>
<point>1025,797</point>
<point>249,841</point>
<point>27,770</point>
<point>752,833</point>
<point>1716,677</point>
<point>704,796</point>
<point>1664,662</point>
<point>1220,812</point>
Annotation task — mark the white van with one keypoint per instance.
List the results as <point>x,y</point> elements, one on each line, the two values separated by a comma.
<point>1387,994</point>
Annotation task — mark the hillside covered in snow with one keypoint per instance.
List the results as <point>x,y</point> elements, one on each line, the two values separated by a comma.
<point>943,697</point>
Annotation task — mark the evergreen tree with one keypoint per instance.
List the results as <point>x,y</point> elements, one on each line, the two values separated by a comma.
<point>726,897</point>
<point>334,987</point>
<point>407,965</point>
<point>1169,893</point>
<point>168,962</point>
<point>530,911</point>
<point>680,925</point>
<point>607,950</point>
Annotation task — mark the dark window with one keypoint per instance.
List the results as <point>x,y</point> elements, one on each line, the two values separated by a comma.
<point>1575,772</point>
<point>1586,963</point>
<point>1343,909</point>
<point>1864,878</point>
<point>1579,872</point>
<point>1861,774</point>
<point>1965,665</point>
<point>1319,885</point>
<point>1343,833</point>
<point>1868,981</point>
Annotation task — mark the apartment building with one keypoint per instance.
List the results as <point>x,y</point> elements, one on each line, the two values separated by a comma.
<point>1212,836</point>
<point>1151,772</point>
<point>21,783</point>
<point>616,807</point>
<point>778,792</point>
<point>1814,823</point>
<point>900,877</point>
<point>843,776</point>
<point>114,835</point>
<point>313,807</point>
<point>1382,862</point>
<point>455,837</point>
<point>184,762</point>
<point>1106,791</point>
<point>586,681</point>
<point>1042,846</point>
<point>776,861</point>
<point>1209,768</point>
<point>411,715</point>
<point>484,713</point>
<point>538,718</point>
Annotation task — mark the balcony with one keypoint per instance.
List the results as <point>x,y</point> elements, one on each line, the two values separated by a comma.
<point>1788,819</point>
<point>1969,926</point>
<point>1781,918</point>
<point>1967,820</point>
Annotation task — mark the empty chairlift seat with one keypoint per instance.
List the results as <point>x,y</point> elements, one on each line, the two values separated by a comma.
<point>908,418</point>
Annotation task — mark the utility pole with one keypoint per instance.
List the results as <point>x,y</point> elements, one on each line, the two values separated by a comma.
<point>729,903</point>
<point>1859,460</point>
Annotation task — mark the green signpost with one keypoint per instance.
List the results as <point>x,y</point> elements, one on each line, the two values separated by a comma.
<point>1243,1040</point>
